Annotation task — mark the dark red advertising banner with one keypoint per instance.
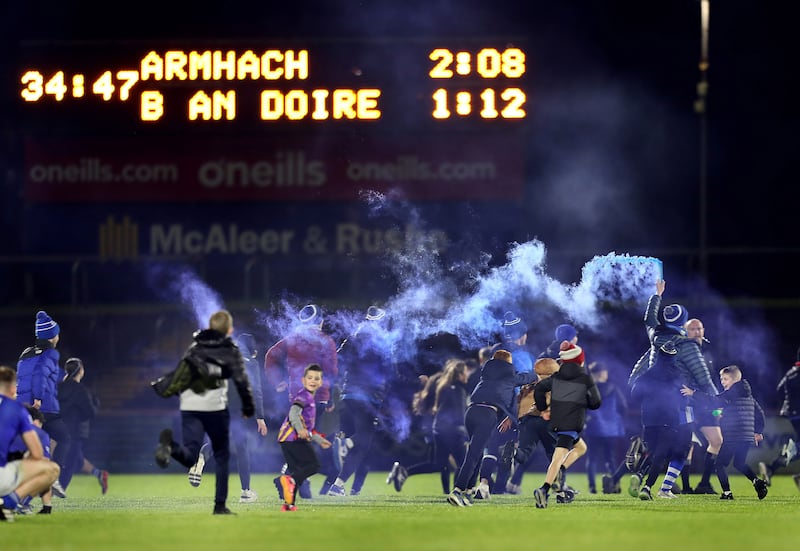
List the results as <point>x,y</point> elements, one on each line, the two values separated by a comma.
<point>285,168</point>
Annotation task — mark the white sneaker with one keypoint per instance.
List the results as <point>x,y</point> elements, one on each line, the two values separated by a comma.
<point>393,472</point>
<point>791,450</point>
<point>248,496</point>
<point>456,498</point>
<point>25,510</point>
<point>196,472</point>
<point>512,488</point>
<point>341,447</point>
<point>58,491</point>
<point>482,492</point>
<point>667,495</point>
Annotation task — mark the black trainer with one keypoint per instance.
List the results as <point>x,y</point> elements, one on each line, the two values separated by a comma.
<point>761,488</point>
<point>704,489</point>
<point>222,510</point>
<point>164,449</point>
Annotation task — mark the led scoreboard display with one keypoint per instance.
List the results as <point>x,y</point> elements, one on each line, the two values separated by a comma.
<point>404,82</point>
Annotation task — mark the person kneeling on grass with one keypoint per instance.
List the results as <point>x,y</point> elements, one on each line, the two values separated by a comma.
<point>32,475</point>
<point>572,391</point>
<point>295,437</point>
<point>18,450</point>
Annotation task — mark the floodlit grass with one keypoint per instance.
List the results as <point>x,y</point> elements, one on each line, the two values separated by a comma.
<point>154,512</point>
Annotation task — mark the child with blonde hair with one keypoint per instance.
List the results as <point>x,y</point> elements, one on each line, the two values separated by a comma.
<point>742,424</point>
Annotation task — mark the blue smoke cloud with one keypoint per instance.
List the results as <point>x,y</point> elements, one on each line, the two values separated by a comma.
<point>183,283</point>
<point>468,296</point>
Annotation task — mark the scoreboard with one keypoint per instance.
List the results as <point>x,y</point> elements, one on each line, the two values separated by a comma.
<point>258,84</point>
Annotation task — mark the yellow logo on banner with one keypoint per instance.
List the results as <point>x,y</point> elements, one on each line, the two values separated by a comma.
<point>119,240</point>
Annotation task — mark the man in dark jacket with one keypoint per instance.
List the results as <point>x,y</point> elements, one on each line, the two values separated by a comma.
<point>204,406</point>
<point>572,391</point>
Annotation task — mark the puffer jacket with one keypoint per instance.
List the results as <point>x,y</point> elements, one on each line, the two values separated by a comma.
<point>38,375</point>
<point>689,359</point>
<point>742,415</point>
<point>572,391</point>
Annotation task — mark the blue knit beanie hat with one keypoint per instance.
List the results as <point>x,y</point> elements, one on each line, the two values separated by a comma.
<point>565,332</point>
<point>46,327</point>
<point>513,326</point>
<point>675,317</point>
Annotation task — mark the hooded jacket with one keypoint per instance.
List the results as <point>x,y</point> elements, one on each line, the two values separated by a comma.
<point>217,352</point>
<point>572,391</point>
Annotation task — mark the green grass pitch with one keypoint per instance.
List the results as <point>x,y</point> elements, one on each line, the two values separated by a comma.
<point>162,511</point>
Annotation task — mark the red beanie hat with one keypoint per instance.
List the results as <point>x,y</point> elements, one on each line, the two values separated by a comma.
<point>571,353</point>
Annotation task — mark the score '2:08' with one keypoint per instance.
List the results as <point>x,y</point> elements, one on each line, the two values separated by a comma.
<point>487,63</point>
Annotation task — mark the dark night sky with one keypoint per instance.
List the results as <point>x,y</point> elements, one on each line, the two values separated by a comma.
<point>613,87</point>
<point>642,54</point>
<point>648,47</point>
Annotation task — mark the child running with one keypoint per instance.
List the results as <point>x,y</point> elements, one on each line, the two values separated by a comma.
<point>742,424</point>
<point>572,391</point>
<point>296,434</point>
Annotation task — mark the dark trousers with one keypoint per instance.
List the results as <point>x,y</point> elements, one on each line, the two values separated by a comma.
<point>242,431</point>
<point>738,452</point>
<point>58,431</point>
<point>73,460</point>
<point>301,460</point>
<point>216,424</point>
<point>600,456</point>
<point>446,443</point>
<point>664,444</point>
<point>491,458</point>
<point>358,422</point>
<point>533,430</point>
<point>480,421</point>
